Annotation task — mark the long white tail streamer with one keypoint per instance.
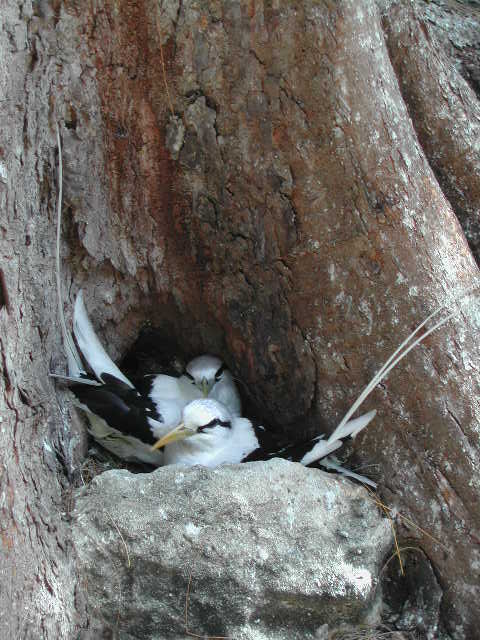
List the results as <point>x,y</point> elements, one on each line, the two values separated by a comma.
<point>90,345</point>
<point>396,357</point>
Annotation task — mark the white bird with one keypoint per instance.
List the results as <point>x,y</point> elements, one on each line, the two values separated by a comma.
<point>210,375</point>
<point>210,435</point>
<point>123,419</point>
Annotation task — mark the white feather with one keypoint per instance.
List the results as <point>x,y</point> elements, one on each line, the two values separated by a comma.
<point>328,463</point>
<point>170,388</point>
<point>85,381</point>
<point>321,449</point>
<point>91,347</point>
<point>170,395</point>
<point>204,370</point>
<point>226,392</point>
<point>352,427</point>
<point>220,446</point>
<point>407,345</point>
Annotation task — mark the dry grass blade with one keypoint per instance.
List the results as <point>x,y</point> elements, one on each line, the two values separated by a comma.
<point>383,506</point>
<point>397,552</point>
<point>121,537</point>
<point>395,539</point>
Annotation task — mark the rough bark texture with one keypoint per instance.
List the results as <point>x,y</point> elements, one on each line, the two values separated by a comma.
<point>37,569</point>
<point>279,205</point>
<point>445,111</point>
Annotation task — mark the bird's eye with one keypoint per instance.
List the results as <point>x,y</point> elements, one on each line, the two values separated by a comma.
<point>212,423</point>
<point>219,373</point>
<point>189,375</point>
<point>216,422</point>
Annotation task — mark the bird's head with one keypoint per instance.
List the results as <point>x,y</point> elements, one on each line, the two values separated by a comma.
<point>205,371</point>
<point>200,418</point>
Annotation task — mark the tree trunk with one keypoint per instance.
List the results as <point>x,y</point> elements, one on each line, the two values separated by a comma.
<point>274,182</point>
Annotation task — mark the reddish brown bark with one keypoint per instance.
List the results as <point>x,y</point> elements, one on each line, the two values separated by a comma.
<point>286,217</point>
<point>445,112</point>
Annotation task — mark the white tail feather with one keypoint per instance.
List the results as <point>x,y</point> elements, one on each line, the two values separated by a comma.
<point>328,463</point>
<point>353,427</point>
<point>398,355</point>
<point>324,447</point>
<point>74,361</point>
<point>90,345</point>
<point>348,427</point>
<point>320,450</point>
<point>75,380</point>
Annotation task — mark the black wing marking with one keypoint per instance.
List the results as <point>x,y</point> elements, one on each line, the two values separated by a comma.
<point>122,407</point>
<point>271,447</point>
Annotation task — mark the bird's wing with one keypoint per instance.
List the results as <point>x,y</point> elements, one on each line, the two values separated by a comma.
<point>126,447</point>
<point>180,390</point>
<point>91,347</point>
<point>121,407</point>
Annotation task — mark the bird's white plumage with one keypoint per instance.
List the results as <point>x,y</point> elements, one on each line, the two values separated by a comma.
<point>203,369</point>
<point>203,412</point>
<point>170,388</point>
<point>215,445</point>
<point>215,381</point>
<point>170,395</point>
<point>225,391</point>
<point>91,347</point>
<point>199,440</point>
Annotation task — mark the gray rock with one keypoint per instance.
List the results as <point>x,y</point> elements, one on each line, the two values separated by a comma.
<point>259,551</point>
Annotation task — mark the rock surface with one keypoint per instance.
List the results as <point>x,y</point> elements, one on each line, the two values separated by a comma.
<point>274,550</point>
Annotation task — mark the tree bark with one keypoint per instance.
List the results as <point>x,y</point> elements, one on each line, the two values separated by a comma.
<point>266,181</point>
<point>37,570</point>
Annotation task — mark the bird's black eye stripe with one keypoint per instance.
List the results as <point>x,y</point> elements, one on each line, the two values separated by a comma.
<point>216,422</point>
<point>189,375</point>
<point>220,371</point>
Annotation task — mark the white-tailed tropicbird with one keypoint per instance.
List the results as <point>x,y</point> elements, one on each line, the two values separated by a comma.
<point>210,435</point>
<point>123,419</point>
